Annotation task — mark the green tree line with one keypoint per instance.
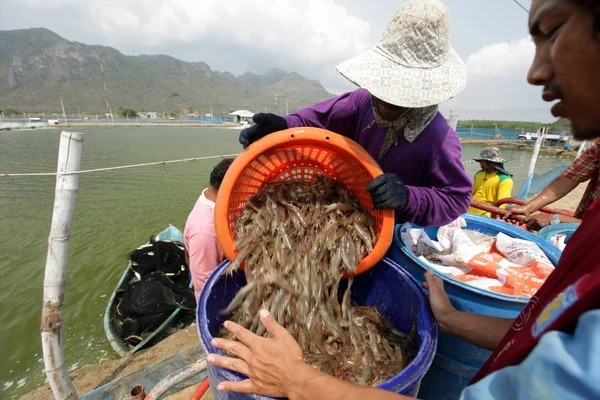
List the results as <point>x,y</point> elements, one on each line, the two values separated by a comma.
<point>530,126</point>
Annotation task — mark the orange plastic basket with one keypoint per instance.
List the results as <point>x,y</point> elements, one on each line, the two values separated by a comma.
<point>301,153</point>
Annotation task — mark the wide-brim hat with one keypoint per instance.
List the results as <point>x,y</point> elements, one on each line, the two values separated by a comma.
<point>491,154</point>
<point>413,65</point>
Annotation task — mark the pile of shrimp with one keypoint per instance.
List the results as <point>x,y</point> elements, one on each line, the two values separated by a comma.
<point>295,240</point>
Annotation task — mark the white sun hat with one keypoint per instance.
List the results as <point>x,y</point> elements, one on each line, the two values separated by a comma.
<point>413,65</point>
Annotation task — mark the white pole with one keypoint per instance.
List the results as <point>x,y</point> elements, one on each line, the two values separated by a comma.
<point>534,156</point>
<point>69,157</point>
<point>582,147</point>
<point>63,109</point>
<point>453,122</point>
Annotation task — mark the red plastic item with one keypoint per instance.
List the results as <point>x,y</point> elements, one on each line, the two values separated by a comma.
<point>202,388</point>
<point>301,153</point>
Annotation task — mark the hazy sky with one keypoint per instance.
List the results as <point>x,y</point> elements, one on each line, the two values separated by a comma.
<point>306,36</point>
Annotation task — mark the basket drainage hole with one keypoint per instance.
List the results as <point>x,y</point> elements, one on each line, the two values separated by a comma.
<point>326,137</point>
<point>292,136</point>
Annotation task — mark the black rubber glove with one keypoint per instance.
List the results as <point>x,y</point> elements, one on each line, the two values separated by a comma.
<point>264,124</point>
<point>388,191</point>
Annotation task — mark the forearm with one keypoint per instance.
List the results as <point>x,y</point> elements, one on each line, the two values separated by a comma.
<point>481,330</point>
<point>558,189</point>
<point>564,219</point>
<point>312,384</point>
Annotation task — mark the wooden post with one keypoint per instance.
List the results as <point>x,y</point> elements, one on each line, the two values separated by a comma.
<point>69,158</point>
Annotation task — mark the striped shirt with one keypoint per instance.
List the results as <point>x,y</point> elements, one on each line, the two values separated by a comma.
<point>586,168</point>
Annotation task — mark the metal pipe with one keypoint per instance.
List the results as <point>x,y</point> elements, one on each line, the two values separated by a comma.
<point>138,393</point>
<point>496,211</point>
<point>534,157</point>
<point>547,210</point>
<point>69,159</point>
<point>175,378</point>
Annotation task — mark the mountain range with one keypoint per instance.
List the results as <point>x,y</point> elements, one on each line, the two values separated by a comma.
<point>39,68</point>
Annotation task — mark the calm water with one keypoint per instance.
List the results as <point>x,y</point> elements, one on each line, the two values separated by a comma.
<point>115,212</point>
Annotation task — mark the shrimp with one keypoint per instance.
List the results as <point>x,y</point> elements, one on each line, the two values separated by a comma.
<point>296,239</point>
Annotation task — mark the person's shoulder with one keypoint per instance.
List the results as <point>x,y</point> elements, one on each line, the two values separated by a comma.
<point>360,96</point>
<point>200,218</point>
<point>595,147</point>
<point>441,135</point>
<point>504,177</point>
<point>439,128</point>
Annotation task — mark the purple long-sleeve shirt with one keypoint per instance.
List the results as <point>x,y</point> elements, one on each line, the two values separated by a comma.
<point>430,166</point>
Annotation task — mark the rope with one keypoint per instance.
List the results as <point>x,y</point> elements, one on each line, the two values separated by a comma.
<point>117,167</point>
<point>520,5</point>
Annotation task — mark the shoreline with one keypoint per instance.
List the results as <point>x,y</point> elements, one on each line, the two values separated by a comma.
<point>27,127</point>
<point>556,151</point>
<point>146,125</point>
<point>88,378</point>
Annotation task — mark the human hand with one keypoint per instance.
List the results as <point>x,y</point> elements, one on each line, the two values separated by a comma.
<point>439,300</point>
<point>271,364</point>
<point>264,124</point>
<point>518,223</point>
<point>518,210</point>
<point>388,191</point>
<point>538,220</point>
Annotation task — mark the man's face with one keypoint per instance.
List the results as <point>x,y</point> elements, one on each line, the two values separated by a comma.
<point>567,63</point>
<point>486,166</point>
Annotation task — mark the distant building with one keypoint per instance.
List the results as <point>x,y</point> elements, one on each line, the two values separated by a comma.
<point>148,114</point>
<point>242,116</point>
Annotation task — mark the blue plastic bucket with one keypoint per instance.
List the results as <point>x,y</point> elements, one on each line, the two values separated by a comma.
<point>456,361</point>
<point>387,286</point>
<point>547,232</point>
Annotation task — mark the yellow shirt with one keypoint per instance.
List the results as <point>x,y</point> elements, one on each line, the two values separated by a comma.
<point>490,187</point>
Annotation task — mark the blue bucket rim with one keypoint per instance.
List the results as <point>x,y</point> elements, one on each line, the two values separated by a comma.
<point>551,252</point>
<point>547,231</point>
<point>425,355</point>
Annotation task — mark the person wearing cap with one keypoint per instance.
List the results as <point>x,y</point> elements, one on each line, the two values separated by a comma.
<point>394,116</point>
<point>492,182</point>
<point>552,349</point>
<point>584,168</point>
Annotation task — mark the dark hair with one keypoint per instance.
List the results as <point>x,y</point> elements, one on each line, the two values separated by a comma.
<point>219,171</point>
<point>593,7</point>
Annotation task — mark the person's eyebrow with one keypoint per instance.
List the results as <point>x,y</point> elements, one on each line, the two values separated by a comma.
<point>536,20</point>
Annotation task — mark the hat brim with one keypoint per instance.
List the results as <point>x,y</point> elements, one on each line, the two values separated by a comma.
<point>493,160</point>
<point>405,86</point>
